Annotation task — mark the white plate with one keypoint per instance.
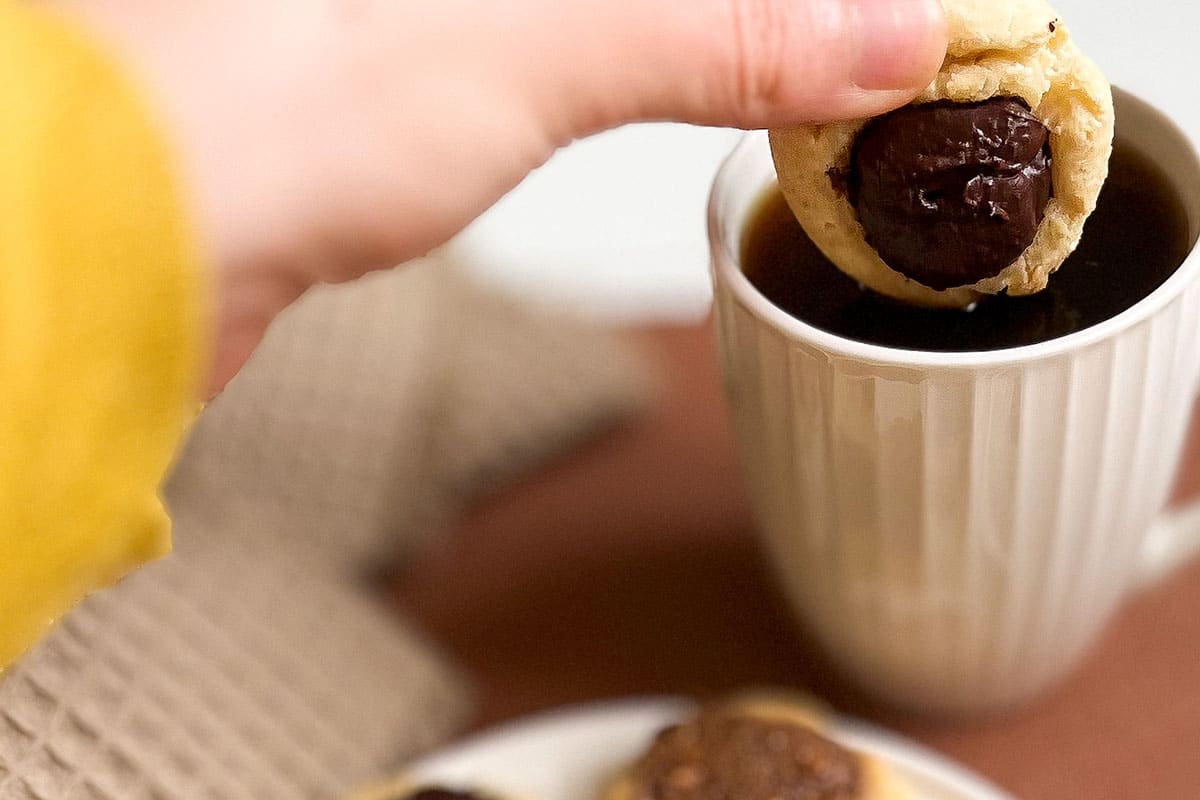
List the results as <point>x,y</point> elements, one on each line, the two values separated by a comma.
<point>568,754</point>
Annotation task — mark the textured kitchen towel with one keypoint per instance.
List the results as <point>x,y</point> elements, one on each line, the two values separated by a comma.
<point>254,662</point>
<point>374,409</point>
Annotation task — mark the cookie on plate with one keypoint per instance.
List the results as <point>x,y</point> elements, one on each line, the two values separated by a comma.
<point>755,748</point>
<point>404,789</point>
<point>982,184</point>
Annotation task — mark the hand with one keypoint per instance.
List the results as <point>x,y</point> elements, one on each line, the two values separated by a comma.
<point>326,138</point>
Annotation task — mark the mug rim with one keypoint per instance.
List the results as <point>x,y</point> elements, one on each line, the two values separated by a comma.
<point>728,270</point>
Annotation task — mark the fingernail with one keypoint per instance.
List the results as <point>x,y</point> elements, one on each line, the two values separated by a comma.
<point>903,43</point>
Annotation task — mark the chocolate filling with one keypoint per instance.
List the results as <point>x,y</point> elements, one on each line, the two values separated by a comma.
<point>438,793</point>
<point>724,756</point>
<point>952,193</point>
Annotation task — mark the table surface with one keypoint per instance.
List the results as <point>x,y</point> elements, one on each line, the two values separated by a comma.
<point>630,567</point>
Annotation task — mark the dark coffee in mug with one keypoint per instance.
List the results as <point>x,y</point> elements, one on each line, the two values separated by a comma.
<point>1136,238</point>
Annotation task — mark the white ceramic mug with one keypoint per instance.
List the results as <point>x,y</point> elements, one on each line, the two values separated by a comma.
<point>957,528</point>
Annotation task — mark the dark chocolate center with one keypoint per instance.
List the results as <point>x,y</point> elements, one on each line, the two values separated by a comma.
<point>438,793</point>
<point>952,193</point>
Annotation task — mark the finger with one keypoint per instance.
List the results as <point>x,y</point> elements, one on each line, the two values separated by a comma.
<point>743,63</point>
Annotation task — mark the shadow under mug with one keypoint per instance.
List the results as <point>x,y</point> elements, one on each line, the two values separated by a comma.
<point>957,528</point>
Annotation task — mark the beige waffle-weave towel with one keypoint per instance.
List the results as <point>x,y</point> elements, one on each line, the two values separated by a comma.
<point>220,673</point>
<point>254,663</point>
<point>373,409</point>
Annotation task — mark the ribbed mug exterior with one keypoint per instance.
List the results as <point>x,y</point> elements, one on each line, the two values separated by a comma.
<point>956,529</point>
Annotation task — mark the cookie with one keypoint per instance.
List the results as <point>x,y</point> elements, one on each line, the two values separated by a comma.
<point>403,789</point>
<point>759,748</point>
<point>982,184</point>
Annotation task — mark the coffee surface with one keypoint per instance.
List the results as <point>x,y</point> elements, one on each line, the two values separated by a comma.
<point>1136,238</point>
<point>952,193</point>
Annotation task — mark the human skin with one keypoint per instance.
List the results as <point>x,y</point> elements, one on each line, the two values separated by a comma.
<point>322,139</point>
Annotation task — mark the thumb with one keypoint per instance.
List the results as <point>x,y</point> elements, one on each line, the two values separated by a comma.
<point>747,63</point>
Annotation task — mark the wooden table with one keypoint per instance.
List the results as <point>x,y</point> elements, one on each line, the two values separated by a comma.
<point>630,567</point>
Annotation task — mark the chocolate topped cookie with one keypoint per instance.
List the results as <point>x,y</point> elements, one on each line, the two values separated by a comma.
<point>721,756</point>
<point>439,793</point>
<point>404,790</point>
<point>982,184</point>
<point>761,749</point>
